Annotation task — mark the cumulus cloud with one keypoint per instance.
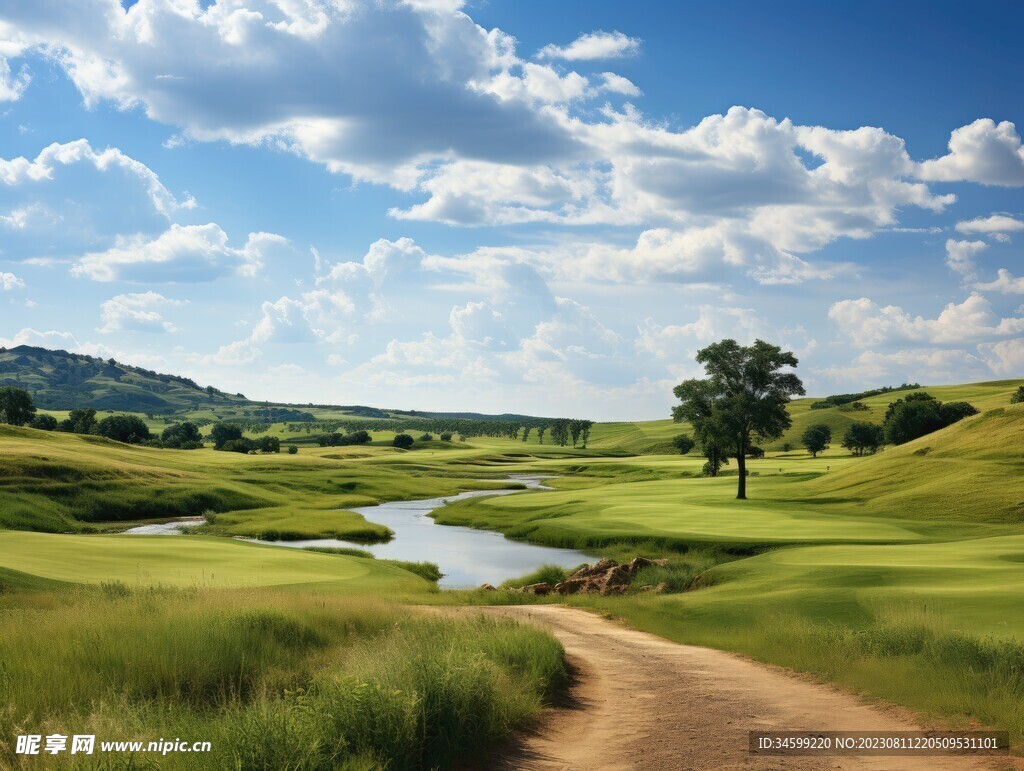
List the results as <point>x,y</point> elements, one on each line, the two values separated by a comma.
<point>136,312</point>
<point>9,281</point>
<point>47,339</point>
<point>1006,283</point>
<point>960,256</point>
<point>183,254</point>
<point>983,151</point>
<point>44,167</point>
<point>865,323</point>
<point>593,45</point>
<point>1005,358</point>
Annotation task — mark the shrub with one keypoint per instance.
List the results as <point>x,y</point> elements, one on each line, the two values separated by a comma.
<point>268,444</point>
<point>292,450</point>
<point>920,414</point>
<point>683,443</point>
<point>426,438</point>
<point>402,441</point>
<point>44,422</point>
<point>129,429</point>
<point>238,445</point>
<point>182,436</point>
<point>1018,396</point>
<point>446,437</point>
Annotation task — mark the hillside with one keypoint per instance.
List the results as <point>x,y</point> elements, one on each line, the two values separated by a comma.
<point>654,436</point>
<point>59,380</point>
<point>971,470</point>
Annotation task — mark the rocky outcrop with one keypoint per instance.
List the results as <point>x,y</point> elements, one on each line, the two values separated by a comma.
<point>604,577</point>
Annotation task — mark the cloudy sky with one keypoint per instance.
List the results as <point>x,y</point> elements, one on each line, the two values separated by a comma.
<point>513,205</point>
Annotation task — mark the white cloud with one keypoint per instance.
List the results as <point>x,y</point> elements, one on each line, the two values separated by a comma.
<point>12,86</point>
<point>21,170</point>
<point>928,365</point>
<point>1005,358</point>
<point>594,45</point>
<point>136,312</point>
<point>183,253</point>
<point>982,151</point>
<point>960,256</point>
<point>1006,283</point>
<point>9,281</point>
<point>866,324</point>
<point>616,84</point>
<point>48,339</point>
<point>991,225</point>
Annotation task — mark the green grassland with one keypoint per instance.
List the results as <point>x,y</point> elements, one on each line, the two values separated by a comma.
<point>271,678</point>
<point>192,561</point>
<point>898,575</point>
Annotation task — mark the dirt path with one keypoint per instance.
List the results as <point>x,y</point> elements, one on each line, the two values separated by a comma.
<point>643,702</point>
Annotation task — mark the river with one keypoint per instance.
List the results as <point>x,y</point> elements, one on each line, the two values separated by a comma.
<point>467,556</point>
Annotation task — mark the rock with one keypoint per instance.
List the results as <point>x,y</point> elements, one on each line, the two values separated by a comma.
<point>571,586</point>
<point>597,569</point>
<point>617,576</point>
<point>639,563</point>
<point>614,589</point>
<point>488,588</point>
<point>539,589</point>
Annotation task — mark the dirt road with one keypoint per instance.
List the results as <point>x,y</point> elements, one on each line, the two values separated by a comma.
<point>642,702</point>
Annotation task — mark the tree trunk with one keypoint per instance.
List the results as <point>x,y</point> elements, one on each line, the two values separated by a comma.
<point>741,465</point>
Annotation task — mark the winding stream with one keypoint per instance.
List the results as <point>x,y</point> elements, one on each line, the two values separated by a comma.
<point>467,556</point>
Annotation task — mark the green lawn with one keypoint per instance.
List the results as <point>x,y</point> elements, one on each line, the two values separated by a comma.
<point>154,560</point>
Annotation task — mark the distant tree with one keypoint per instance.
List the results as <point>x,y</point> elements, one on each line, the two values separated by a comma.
<point>79,422</point>
<point>446,436</point>
<point>402,441</point>
<point>426,438</point>
<point>716,458</point>
<point>786,446</point>
<point>816,438</point>
<point>575,428</point>
<point>16,408</point>
<point>560,432</point>
<point>585,426</point>
<point>744,395</point>
<point>1018,396</point>
<point>221,433</point>
<point>292,449</point>
<point>919,414</point>
<point>130,429</point>
<point>683,443</point>
<point>182,436</point>
<point>755,452</point>
<point>44,422</point>
<point>863,438</point>
<point>526,432</point>
<point>540,433</point>
<point>240,444</point>
<point>268,444</point>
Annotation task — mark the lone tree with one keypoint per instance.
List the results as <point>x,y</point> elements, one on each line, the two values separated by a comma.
<point>744,395</point>
<point>1018,396</point>
<point>816,438</point>
<point>16,406</point>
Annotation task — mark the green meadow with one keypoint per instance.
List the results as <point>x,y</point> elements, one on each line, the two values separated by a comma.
<point>897,575</point>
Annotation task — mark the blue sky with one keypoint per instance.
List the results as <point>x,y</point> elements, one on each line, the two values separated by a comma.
<point>513,205</point>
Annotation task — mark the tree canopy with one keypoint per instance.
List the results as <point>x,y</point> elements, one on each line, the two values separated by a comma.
<point>744,395</point>
<point>816,438</point>
<point>16,407</point>
<point>919,414</point>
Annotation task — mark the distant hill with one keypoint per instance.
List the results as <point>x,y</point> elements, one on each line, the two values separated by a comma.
<point>59,380</point>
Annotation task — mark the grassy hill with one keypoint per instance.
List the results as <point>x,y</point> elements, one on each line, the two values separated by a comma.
<point>654,436</point>
<point>60,380</point>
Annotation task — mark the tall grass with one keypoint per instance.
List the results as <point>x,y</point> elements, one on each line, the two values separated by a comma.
<point>272,679</point>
